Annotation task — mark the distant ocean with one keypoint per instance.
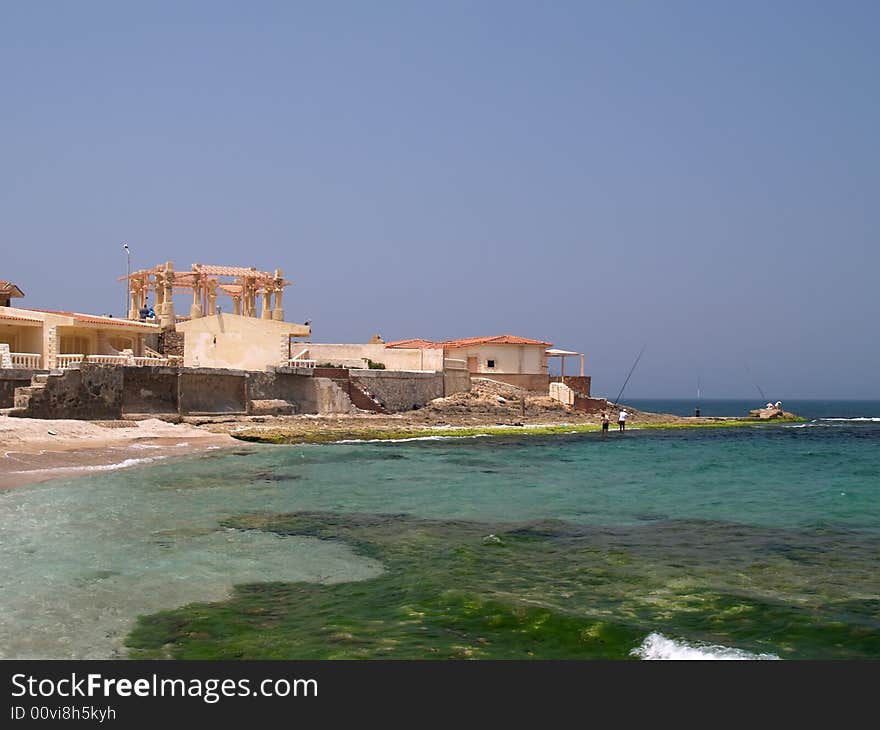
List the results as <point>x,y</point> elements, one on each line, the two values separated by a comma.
<point>745,543</point>
<point>725,407</point>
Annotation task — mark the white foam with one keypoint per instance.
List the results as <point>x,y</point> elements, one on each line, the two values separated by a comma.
<point>872,419</point>
<point>92,467</point>
<point>657,646</point>
<point>411,438</point>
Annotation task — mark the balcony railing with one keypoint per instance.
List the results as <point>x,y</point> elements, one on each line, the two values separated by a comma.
<point>26,360</point>
<point>68,361</point>
<point>297,363</point>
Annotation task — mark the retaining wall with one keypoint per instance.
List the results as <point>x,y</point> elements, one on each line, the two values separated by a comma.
<point>150,390</point>
<point>212,391</point>
<point>400,391</point>
<point>87,393</point>
<point>528,381</point>
<point>456,381</point>
<point>12,378</point>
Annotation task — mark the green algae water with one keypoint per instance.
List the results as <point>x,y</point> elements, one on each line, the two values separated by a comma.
<point>756,542</point>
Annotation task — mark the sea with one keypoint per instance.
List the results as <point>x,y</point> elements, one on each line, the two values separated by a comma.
<point>757,543</point>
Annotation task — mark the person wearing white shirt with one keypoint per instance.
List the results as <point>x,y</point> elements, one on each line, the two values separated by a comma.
<point>621,420</point>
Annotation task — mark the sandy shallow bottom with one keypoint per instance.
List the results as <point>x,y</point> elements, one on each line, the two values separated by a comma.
<point>36,450</point>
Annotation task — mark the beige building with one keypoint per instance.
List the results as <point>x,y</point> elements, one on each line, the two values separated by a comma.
<point>42,339</point>
<point>239,342</point>
<point>507,358</point>
<point>417,359</point>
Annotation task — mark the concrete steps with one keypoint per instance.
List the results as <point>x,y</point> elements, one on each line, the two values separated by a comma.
<point>22,398</point>
<point>364,399</point>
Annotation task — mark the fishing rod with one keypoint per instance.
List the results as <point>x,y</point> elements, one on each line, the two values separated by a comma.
<point>755,382</point>
<point>631,371</point>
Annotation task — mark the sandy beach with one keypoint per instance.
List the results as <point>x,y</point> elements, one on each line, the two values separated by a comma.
<point>34,450</point>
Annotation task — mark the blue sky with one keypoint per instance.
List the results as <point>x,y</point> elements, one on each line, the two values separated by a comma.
<point>697,177</point>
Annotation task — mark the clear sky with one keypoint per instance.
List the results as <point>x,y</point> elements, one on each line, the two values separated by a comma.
<point>697,177</point>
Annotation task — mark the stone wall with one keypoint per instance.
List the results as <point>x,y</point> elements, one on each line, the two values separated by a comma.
<point>284,384</point>
<point>105,393</point>
<point>150,390</point>
<point>580,384</point>
<point>12,378</point>
<point>331,398</point>
<point>203,390</point>
<point>87,393</point>
<point>400,391</point>
<point>170,343</point>
<point>456,381</point>
<point>588,405</point>
<point>527,381</point>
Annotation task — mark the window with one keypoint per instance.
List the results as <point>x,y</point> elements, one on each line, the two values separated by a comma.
<point>490,363</point>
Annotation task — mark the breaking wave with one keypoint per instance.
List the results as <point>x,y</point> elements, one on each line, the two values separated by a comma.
<point>657,646</point>
<point>91,467</point>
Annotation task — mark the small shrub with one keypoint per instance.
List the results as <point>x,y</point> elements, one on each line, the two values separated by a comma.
<point>375,365</point>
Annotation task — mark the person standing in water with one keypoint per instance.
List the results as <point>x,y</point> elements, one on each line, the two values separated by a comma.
<point>621,419</point>
<point>605,421</point>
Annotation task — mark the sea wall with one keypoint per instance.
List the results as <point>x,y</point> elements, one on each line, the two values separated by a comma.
<point>12,378</point>
<point>94,392</point>
<point>207,391</point>
<point>86,393</point>
<point>151,390</point>
<point>398,390</point>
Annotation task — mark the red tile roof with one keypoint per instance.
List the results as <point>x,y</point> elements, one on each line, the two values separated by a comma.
<point>496,340</point>
<point>93,319</point>
<point>468,342</point>
<point>18,318</point>
<point>418,344</point>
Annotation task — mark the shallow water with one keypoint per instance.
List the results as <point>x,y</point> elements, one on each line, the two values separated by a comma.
<point>745,542</point>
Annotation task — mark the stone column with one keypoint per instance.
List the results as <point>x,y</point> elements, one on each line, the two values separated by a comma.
<point>212,297</point>
<point>168,284</point>
<point>52,345</point>
<point>278,312</point>
<point>267,303</point>
<point>236,303</point>
<point>195,311</point>
<point>249,304</point>
<point>160,298</point>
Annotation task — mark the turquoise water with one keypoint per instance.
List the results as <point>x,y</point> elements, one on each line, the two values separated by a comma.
<point>784,517</point>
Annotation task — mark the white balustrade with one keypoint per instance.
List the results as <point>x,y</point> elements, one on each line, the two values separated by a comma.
<point>26,360</point>
<point>294,363</point>
<point>66,361</point>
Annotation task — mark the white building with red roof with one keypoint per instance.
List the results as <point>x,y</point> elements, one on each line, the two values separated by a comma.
<point>519,361</point>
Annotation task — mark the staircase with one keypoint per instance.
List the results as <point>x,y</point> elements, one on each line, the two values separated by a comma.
<point>364,399</point>
<point>22,397</point>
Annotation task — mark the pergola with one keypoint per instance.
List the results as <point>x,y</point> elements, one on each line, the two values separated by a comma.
<point>563,354</point>
<point>207,282</point>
